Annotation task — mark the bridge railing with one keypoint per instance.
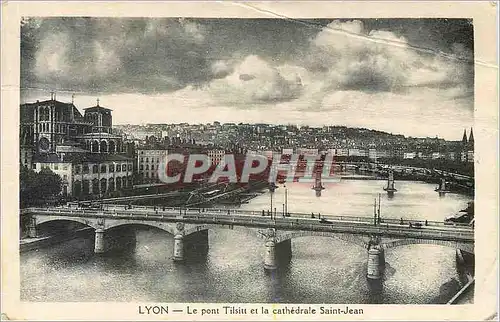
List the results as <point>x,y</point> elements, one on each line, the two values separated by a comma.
<point>260,221</point>
<point>236,212</point>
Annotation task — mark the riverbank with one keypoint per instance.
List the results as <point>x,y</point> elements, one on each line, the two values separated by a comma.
<point>29,244</point>
<point>465,266</point>
<point>465,295</point>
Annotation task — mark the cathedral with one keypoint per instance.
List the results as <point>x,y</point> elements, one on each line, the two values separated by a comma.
<point>81,149</point>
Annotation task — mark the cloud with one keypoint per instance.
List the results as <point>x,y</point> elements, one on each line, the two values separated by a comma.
<point>351,58</point>
<point>221,69</point>
<point>115,55</point>
<point>160,55</point>
<point>254,80</point>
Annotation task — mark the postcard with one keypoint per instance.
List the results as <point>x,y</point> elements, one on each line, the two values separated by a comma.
<point>249,161</point>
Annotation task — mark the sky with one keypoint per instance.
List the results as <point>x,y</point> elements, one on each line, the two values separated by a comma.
<point>406,76</point>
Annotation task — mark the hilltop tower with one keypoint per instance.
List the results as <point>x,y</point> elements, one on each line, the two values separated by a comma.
<point>470,147</point>
<point>471,139</point>
<point>464,147</point>
<point>464,138</point>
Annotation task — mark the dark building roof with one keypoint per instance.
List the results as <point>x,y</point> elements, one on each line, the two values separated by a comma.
<point>97,108</point>
<point>27,108</point>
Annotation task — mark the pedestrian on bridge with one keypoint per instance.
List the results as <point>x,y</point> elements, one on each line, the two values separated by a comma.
<point>401,222</point>
<point>426,222</point>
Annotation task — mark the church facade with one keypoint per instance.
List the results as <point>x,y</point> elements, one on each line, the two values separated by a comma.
<point>81,148</point>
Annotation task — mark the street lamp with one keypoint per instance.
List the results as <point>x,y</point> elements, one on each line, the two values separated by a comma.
<point>379,220</point>
<point>271,205</point>
<point>286,201</point>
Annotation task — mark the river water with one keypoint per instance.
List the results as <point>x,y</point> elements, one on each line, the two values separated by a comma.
<point>322,270</point>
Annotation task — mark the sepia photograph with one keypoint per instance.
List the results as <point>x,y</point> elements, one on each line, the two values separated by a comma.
<point>327,161</point>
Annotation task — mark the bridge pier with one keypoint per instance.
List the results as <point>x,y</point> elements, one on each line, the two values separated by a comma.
<point>100,242</point>
<point>270,262</point>
<point>376,262</point>
<point>179,248</point>
<point>277,254</point>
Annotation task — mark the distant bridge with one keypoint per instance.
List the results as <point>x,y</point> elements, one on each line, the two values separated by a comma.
<point>374,166</point>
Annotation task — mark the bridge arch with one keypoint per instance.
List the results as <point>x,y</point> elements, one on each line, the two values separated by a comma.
<point>169,228</point>
<point>415,241</point>
<point>353,239</point>
<point>45,219</point>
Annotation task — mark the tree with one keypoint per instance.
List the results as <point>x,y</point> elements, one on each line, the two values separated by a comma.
<point>50,183</point>
<point>38,187</point>
<point>27,186</point>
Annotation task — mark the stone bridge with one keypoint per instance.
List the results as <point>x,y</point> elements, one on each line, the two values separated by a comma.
<point>190,229</point>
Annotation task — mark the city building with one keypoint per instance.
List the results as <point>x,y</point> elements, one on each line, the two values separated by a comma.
<point>216,155</point>
<point>148,162</point>
<point>87,174</point>
<point>82,149</point>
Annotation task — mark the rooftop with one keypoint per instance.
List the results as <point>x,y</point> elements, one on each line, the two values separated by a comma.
<point>47,102</point>
<point>97,108</point>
